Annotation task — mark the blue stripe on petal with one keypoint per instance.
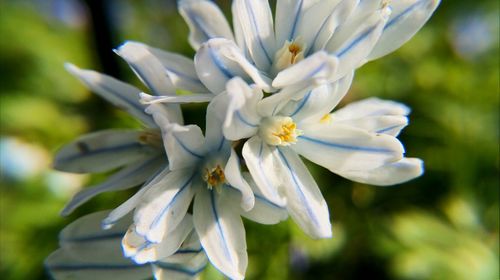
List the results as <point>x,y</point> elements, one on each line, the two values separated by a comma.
<point>257,31</point>
<point>185,76</point>
<point>200,26</point>
<point>261,167</point>
<point>186,148</point>
<point>243,120</point>
<point>219,227</point>
<point>179,268</point>
<point>302,103</point>
<point>218,62</point>
<point>383,130</point>
<point>132,102</point>
<point>404,13</point>
<point>297,184</point>
<point>296,20</point>
<point>354,43</point>
<point>345,147</point>
<point>89,153</point>
<point>159,217</point>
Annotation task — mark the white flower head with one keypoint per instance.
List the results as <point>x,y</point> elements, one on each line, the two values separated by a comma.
<point>306,41</point>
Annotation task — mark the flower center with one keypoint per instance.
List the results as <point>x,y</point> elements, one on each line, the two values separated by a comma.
<point>214,177</point>
<point>291,53</point>
<point>279,131</point>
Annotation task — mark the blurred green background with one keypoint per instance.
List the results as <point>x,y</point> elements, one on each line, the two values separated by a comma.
<point>443,225</point>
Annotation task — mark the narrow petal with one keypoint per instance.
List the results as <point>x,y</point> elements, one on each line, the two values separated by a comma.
<point>88,252</point>
<point>151,72</point>
<point>391,125</point>
<point>130,176</point>
<point>318,102</point>
<point>256,22</point>
<point>116,92</point>
<point>273,104</point>
<point>264,210</point>
<point>390,174</point>
<point>214,137</point>
<point>338,147</point>
<point>191,98</point>
<point>263,168</point>
<point>103,151</point>
<point>354,40</point>
<point>371,107</point>
<point>61,265</point>
<point>316,69</point>
<point>329,24</point>
<point>142,251</point>
<point>406,19</point>
<point>219,60</point>
<point>129,205</point>
<point>221,233</point>
<point>186,268</point>
<point>183,144</point>
<point>164,205</point>
<point>236,180</point>
<point>241,118</point>
<point>205,21</point>
<point>305,203</point>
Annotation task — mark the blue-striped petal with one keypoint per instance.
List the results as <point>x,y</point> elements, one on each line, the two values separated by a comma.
<point>174,268</point>
<point>234,178</point>
<point>339,147</point>
<point>116,92</point>
<point>305,203</point>
<point>104,150</point>
<point>164,205</point>
<point>407,18</point>
<point>221,233</point>
<point>130,176</point>
<point>205,20</point>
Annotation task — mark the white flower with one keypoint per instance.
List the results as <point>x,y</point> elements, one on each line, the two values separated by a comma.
<point>88,252</point>
<point>357,142</point>
<point>208,169</point>
<point>307,42</point>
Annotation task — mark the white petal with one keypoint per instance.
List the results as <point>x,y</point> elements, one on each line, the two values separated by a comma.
<point>390,125</point>
<point>87,251</point>
<point>219,60</point>
<point>371,107</point>
<point>256,22</point>
<point>184,145</point>
<point>130,176</point>
<point>262,166</point>
<point>264,210</point>
<point>354,41</point>
<point>329,24</point>
<point>407,17</point>
<point>191,98</point>
<point>102,151</point>
<point>205,20</point>
<point>214,138</point>
<point>116,92</point>
<point>389,174</point>
<point>122,210</point>
<point>186,269</point>
<point>143,251</point>
<point>338,147</point>
<point>62,266</point>
<point>315,69</point>
<point>151,72</point>
<point>236,180</point>
<point>305,203</point>
<point>164,205</point>
<point>319,101</point>
<point>221,233</point>
<point>274,103</point>
<point>241,118</point>
<point>312,19</point>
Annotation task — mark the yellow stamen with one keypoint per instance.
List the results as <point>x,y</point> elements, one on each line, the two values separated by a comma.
<point>326,118</point>
<point>279,130</point>
<point>214,177</point>
<point>294,50</point>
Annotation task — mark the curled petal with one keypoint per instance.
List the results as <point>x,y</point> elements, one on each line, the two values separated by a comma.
<point>205,20</point>
<point>236,180</point>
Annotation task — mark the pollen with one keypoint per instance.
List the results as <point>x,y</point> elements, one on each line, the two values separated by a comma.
<point>214,177</point>
<point>294,50</point>
<point>279,131</point>
<point>327,118</point>
<point>151,138</point>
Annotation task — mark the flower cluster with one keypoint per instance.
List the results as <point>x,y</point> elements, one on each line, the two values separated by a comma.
<point>271,87</point>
